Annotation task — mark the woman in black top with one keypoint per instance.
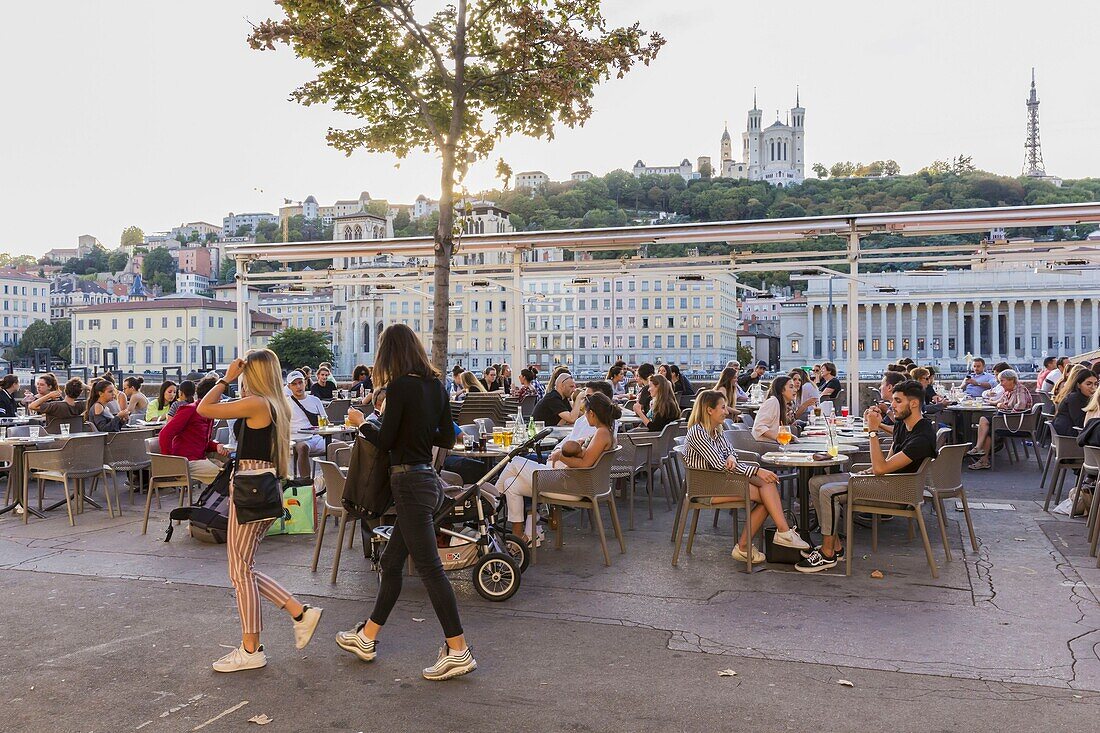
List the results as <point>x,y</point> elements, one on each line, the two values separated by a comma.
<point>8,386</point>
<point>1078,389</point>
<point>263,444</point>
<point>103,393</point>
<point>681,385</point>
<point>417,417</point>
<point>361,382</point>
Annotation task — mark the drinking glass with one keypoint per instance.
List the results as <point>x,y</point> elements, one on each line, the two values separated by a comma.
<point>35,431</point>
<point>498,436</point>
<point>21,412</point>
<point>65,429</point>
<point>507,436</point>
<point>833,450</point>
<point>784,436</point>
<point>844,412</point>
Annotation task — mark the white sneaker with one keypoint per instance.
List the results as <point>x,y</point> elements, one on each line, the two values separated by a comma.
<point>359,645</point>
<point>303,630</point>
<point>738,554</point>
<point>238,660</point>
<point>451,664</point>
<point>790,538</point>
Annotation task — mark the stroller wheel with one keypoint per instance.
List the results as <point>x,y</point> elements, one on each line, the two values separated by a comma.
<point>519,551</point>
<point>496,577</point>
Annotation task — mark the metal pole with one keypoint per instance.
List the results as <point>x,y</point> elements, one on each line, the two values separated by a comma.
<point>829,322</point>
<point>244,325</point>
<point>518,316</point>
<point>853,322</point>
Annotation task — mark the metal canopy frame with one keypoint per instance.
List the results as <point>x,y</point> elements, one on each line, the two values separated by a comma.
<point>852,228</point>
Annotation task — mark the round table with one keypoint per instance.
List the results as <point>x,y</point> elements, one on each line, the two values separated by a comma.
<point>806,465</point>
<point>962,412</point>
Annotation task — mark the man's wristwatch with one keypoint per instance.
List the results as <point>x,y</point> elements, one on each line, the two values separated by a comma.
<point>872,434</point>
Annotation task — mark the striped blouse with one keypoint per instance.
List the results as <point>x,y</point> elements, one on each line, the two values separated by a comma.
<point>710,451</point>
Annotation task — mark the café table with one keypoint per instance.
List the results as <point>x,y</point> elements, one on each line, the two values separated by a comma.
<point>807,465</point>
<point>963,414</point>
<point>17,483</point>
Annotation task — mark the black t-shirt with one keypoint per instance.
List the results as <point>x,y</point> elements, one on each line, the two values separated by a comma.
<point>918,444</point>
<point>746,380</point>
<point>833,384</point>
<point>644,397</point>
<point>323,391</point>
<point>418,417</point>
<point>550,407</point>
<point>929,394</point>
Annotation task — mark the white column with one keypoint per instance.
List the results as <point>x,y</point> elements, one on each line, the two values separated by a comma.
<point>853,324</point>
<point>929,327</point>
<point>960,341</point>
<point>1011,340</point>
<point>883,331</point>
<point>1095,324</point>
<point>1061,337</point>
<point>838,332</point>
<point>1028,353</point>
<point>914,329</point>
<point>867,352</point>
<point>945,339</point>
<point>976,330</point>
<point>517,323</point>
<point>899,331</point>
<point>244,318</point>
<point>809,331</point>
<point>995,336</point>
<point>1077,329</point>
<point>1044,333</point>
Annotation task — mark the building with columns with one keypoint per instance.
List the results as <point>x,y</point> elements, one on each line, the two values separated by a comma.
<point>1000,313</point>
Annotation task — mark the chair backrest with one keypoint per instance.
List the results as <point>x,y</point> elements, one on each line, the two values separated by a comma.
<point>84,453</point>
<point>481,405</point>
<point>337,410</point>
<point>334,484</point>
<point>1092,457</point>
<point>528,404</point>
<point>747,419</point>
<point>702,482</point>
<point>743,440</point>
<point>53,424</point>
<point>127,447</point>
<point>485,424</point>
<point>342,457</point>
<point>942,436</point>
<point>19,431</point>
<point>163,466</point>
<point>945,471</point>
<point>223,435</point>
<point>892,488</point>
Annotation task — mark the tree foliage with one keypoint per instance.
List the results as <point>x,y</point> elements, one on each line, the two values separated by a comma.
<point>454,82</point>
<point>159,268</point>
<point>116,261</point>
<point>96,260</point>
<point>297,347</point>
<point>56,336</point>
<point>132,236</point>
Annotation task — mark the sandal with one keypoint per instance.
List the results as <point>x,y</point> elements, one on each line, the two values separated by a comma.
<point>975,452</point>
<point>979,466</point>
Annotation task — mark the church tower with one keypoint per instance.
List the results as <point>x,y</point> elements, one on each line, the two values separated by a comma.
<point>798,120</point>
<point>727,148</point>
<point>751,140</point>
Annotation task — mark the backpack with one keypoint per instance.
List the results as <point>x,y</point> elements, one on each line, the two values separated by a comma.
<point>208,517</point>
<point>367,489</point>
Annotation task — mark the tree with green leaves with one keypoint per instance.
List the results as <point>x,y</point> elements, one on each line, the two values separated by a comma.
<point>159,268</point>
<point>56,336</point>
<point>298,347</point>
<point>820,170</point>
<point>453,83</point>
<point>132,236</point>
<point>116,261</point>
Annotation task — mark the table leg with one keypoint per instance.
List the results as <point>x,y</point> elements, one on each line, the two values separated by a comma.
<point>804,498</point>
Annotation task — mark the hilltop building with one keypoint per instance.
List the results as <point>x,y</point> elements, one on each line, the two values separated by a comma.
<point>775,154</point>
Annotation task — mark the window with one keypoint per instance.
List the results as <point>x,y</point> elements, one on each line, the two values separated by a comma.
<point>179,322</point>
<point>920,344</point>
<point>114,324</point>
<point>951,343</point>
<point>795,346</point>
<point>148,353</point>
<point>875,345</point>
<point>164,353</point>
<point>129,323</point>
<point>130,354</point>
<point>148,323</point>
<point>1034,343</point>
<point>936,344</point>
<point>195,321</point>
<point>859,345</point>
<point>179,353</point>
<point>905,344</point>
<point>164,322</point>
<point>93,323</point>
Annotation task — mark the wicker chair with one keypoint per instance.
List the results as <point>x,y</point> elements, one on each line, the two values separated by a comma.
<point>702,487</point>
<point>1065,455</point>
<point>895,494</point>
<point>125,452</point>
<point>635,456</point>
<point>1011,428</point>
<point>337,410</point>
<point>583,488</point>
<point>79,459</point>
<point>333,507</point>
<point>165,472</point>
<point>482,405</point>
<point>945,482</point>
<point>53,425</point>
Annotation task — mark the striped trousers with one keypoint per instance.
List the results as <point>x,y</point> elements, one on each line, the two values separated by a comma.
<point>241,544</point>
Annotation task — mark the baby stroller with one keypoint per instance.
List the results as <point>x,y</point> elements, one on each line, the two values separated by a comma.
<point>471,519</point>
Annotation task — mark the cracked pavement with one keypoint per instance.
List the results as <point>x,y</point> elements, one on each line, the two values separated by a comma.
<point>580,646</point>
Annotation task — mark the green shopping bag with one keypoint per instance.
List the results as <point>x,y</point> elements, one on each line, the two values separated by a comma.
<point>299,516</point>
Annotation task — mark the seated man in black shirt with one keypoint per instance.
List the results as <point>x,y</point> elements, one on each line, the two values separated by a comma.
<point>558,407</point>
<point>750,378</point>
<point>914,441</point>
<point>831,386</point>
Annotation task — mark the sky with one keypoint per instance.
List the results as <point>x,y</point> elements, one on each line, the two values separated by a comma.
<point>149,113</point>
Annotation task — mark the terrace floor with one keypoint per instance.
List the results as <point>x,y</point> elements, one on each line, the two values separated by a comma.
<point>112,630</point>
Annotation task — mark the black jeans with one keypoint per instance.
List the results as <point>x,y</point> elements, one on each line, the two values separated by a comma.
<point>417,495</point>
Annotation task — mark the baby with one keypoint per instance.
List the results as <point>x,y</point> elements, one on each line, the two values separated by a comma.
<point>572,449</point>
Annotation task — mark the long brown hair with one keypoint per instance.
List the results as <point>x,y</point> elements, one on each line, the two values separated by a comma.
<point>470,381</point>
<point>262,377</point>
<point>665,404</point>
<point>400,353</point>
<point>1071,382</point>
<point>727,383</point>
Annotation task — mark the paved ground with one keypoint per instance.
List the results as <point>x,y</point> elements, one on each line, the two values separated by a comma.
<point>114,631</point>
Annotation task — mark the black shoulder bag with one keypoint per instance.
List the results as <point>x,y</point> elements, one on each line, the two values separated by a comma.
<point>257,494</point>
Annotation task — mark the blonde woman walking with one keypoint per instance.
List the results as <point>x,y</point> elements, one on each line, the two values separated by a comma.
<point>263,442</point>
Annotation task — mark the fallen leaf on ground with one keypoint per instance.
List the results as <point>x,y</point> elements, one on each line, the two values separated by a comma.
<point>846,683</point>
<point>726,673</point>
<point>877,574</point>
<point>260,719</point>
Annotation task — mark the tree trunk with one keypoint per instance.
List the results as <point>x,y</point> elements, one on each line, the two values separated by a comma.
<point>444,248</point>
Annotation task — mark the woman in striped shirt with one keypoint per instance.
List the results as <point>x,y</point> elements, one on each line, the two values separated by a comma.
<point>706,448</point>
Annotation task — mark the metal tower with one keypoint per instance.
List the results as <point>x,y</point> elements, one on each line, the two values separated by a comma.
<point>1033,154</point>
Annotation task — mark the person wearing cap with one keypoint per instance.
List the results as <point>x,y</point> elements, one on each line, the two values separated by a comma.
<point>305,414</point>
<point>750,378</point>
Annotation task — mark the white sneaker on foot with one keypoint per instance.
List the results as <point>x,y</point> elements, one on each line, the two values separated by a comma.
<point>303,630</point>
<point>238,660</point>
<point>790,538</point>
<point>739,555</point>
<point>451,664</point>
<point>354,642</point>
